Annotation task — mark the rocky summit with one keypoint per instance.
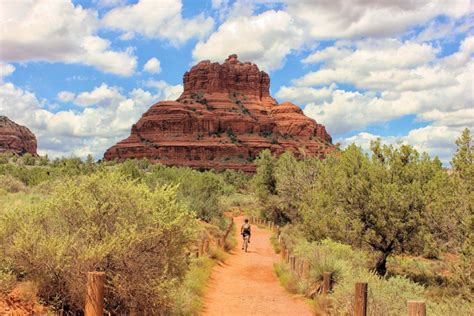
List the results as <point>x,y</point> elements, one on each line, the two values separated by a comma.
<point>16,138</point>
<point>222,120</point>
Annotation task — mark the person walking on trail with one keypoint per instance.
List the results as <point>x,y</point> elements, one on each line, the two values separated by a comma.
<point>245,231</point>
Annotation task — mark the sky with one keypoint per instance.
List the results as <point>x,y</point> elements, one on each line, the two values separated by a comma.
<point>80,73</point>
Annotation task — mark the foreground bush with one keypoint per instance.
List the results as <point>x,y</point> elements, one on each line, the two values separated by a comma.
<point>386,296</point>
<point>104,222</point>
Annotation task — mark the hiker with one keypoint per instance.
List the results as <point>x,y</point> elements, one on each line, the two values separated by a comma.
<point>246,231</point>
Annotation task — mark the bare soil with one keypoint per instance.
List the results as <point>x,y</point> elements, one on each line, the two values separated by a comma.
<point>20,302</point>
<point>246,283</point>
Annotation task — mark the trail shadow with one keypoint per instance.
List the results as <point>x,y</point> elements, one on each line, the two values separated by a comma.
<point>250,251</point>
<point>223,264</point>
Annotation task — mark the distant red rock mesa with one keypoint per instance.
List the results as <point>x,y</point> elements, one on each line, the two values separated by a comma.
<point>222,120</point>
<point>16,138</point>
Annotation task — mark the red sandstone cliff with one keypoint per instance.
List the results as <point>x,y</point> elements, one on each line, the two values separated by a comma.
<point>16,138</point>
<point>223,119</point>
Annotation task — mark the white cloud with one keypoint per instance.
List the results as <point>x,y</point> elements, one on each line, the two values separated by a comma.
<point>58,31</point>
<point>101,96</point>
<point>271,35</point>
<point>445,30</point>
<point>434,140</point>
<point>152,66</point>
<point>390,79</point>
<point>305,95</point>
<point>265,39</point>
<point>104,117</point>
<point>373,64</point>
<point>394,79</point>
<point>372,18</point>
<point>165,91</point>
<point>5,70</point>
<point>66,96</point>
<point>110,3</point>
<point>158,19</point>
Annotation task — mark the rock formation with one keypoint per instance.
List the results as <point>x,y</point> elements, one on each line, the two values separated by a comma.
<point>223,119</point>
<point>16,138</point>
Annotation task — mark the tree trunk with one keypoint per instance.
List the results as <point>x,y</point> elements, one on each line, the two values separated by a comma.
<point>381,265</point>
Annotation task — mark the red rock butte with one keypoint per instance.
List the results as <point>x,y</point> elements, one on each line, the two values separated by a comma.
<point>222,120</point>
<point>16,138</point>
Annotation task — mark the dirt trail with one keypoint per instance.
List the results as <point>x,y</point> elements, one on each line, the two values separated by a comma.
<point>246,284</point>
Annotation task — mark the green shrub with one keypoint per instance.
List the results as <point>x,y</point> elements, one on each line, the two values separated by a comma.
<point>11,184</point>
<point>199,190</point>
<point>102,222</point>
<point>387,296</point>
<point>188,296</point>
<point>287,279</point>
<point>7,281</point>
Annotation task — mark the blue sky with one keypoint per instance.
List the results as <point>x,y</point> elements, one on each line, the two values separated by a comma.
<point>80,73</point>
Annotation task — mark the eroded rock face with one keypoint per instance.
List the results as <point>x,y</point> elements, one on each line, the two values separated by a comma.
<point>223,119</point>
<point>16,138</point>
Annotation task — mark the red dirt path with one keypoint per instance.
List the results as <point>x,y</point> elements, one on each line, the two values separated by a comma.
<point>247,285</point>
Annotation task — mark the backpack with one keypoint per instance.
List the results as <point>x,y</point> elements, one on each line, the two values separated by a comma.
<point>246,229</point>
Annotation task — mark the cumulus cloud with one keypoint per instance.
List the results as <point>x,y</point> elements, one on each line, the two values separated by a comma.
<point>5,70</point>
<point>305,95</point>
<point>152,66</point>
<point>110,3</point>
<point>103,116</point>
<point>66,96</point>
<point>374,64</point>
<point>58,31</point>
<point>265,39</point>
<point>158,19</point>
<point>272,35</point>
<point>445,29</point>
<point>434,140</point>
<point>369,18</point>
<point>392,78</point>
<point>164,90</point>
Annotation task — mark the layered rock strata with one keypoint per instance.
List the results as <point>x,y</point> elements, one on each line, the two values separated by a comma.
<point>16,138</point>
<point>223,119</point>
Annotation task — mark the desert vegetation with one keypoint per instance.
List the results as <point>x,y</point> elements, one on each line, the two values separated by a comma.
<point>139,223</point>
<point>395,218</point>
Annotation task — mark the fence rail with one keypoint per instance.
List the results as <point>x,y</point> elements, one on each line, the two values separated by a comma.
<point>94,304</point>
<point>301,267</point>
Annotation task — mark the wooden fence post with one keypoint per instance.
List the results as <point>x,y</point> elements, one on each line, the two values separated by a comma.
<point>360,306</point>
<point>292,263</point>
<point>206,246</point>
<point>95,294</point>
<point>133,309</point>
<point>327,282</point>
<point>305,269</point>
<point>283,249</point>
<point>416,308</point>
<point>300,267</point>
<point>201,248</point>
